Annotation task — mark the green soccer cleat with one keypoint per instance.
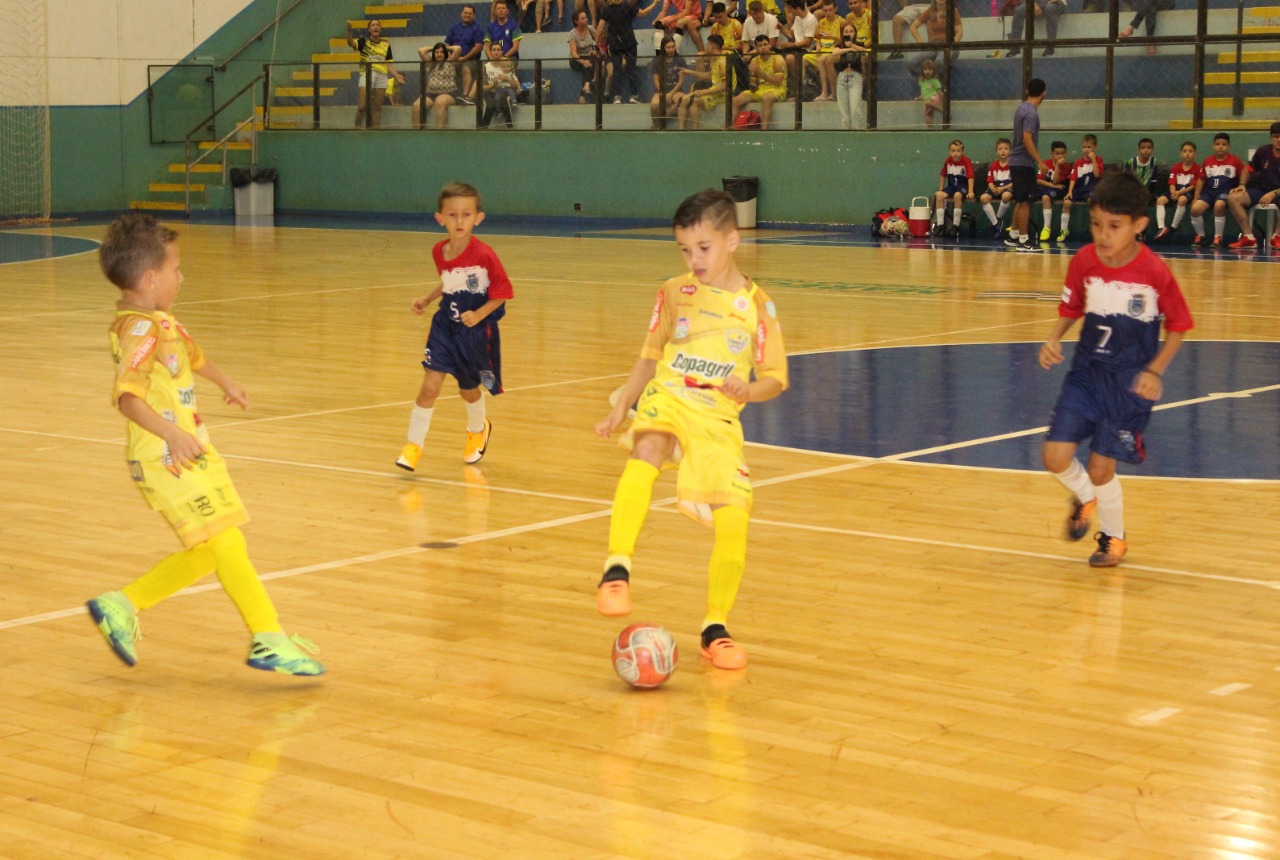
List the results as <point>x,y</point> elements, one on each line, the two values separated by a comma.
<point>118,621</point>
<point>1045,234</point>
<point>276,652</point>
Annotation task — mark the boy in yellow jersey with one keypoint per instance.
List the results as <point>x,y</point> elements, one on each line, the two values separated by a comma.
<point>711,332</point>
<point>170,457</point>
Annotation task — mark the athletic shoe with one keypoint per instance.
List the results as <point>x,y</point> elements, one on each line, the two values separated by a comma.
<point>952,231</point>
<point>633,101</point>
<point>1275,241</point>
<point>1045,234</point>
<point>613,595</point>
<point>463,100</point>
<point>1244,242</point>
<point>1216,243</point>
<point>1078,522</point>
<point>1164,231</point>
<point>938,230</point>
<point>1029,247</point>
<point>118,621</point>
<point>1062,236</point>
<point>1110,551</point>
<point>1014,52</point>
<point>617,100</point>
<point>718,647</point>
<point>997,230</point>
<point>896,55</point>
<point>1048,52</point>
<point>409,456</point>
<point>477,444</point>
<point>1197,241</point>
<point>275,652</point>
<point>1012,242</point>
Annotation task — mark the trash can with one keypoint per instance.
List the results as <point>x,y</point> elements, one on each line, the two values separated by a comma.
<point>743,190</point>
<point>255,193</point>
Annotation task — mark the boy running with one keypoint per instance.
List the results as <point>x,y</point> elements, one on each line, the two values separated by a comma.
<point>713,346</point>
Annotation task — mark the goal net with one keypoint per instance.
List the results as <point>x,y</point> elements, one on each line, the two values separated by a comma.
<point>25,175</point>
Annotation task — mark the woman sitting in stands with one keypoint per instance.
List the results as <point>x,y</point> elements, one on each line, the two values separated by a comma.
<point>442,85</point>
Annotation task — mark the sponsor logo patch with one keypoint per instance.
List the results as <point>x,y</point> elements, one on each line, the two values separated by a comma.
<point>689,289</point>
<point>736,341</point>
<point>682,327</point>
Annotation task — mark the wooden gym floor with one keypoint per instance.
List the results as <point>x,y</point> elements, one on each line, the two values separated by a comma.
<point>935,672</point>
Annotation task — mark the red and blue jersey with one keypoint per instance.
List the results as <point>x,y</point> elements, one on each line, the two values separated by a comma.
<point>1222,175</point>
<point>957,173</point>
<point>1181,176</point>
<point>470,279</point>
<point>1085,175</point>
<point>1265,165</point>
<point>998,174</point>
<point>1123,308</point>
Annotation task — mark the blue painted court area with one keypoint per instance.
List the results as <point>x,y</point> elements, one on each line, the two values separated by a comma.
<point>16,247</point>
<point>909,402</point>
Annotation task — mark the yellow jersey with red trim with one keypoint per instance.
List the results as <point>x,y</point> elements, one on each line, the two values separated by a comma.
<point>700,336</point>
<point>155,358</point>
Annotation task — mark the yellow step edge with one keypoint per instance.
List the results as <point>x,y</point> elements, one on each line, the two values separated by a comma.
<point>335,58</point>
<point>158,204</point>
<point>303,92</point>
<point>1226,103</point>
<point>291,110</point>
<point>387,24</point>
<point>1263,12</point>
<point>231,144</point>
<point>405,9</point>
<point>1251,57</point>
<point>1252,31</point>
<point>197,168</point>
<point>178,187</point>
<point>325,75</point>
<point>1245,78</point>
<point>1219,124</point>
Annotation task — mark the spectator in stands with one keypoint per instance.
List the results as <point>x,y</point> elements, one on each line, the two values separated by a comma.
<point>685,17</point>
<point>1223,171</point>
<point>375,67</point>
<point>544,14</point>
<point>442,85</point>
<point>668,76</point>
<point>768,75</point>
<point>930,90</point>
<point>797,39</point>
<point>759,24</point>
<point>505,33</point>
<point>707,98</point>
<point>934,22</point>
<point>617,30</point>
<point>1261,187</point>
<point>726,27</point>
<point>846,68</point>
<point>860,17</point>
<point>466,42</point>
<point>1144,10</point>
<point>592,6</point>
<point>830,25</point>
<point>583,52</point>
<point>500,86</point>
<point>903,21</point>
<point>1050,11</point>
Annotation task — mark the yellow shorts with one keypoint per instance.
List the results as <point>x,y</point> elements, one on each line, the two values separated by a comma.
<point>813,58</point>
<point>779,93</point>
<point>712,470</point>
<point>197,503</point>
<point>711,102</point>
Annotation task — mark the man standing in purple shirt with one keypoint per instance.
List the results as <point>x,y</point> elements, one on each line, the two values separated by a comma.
<point>465,41</point>
<point>1024,163</point>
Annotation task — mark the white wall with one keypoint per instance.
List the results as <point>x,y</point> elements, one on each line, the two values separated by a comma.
<point>99,50</point>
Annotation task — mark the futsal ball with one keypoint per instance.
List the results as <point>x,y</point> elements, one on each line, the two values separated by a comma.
<point>644,655</point>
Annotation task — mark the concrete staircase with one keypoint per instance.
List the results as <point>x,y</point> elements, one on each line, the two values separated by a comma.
<point>210,182</point>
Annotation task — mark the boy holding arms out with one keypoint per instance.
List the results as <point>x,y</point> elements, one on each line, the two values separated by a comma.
<point>999,184</point>
<point>955,183</point>
<point>179,472</point>
<point>1185,179</point>
<point>1055,175</point>
<point>1123,291</point>
<point>711,331</point>
<point>1084,175</point>
<point>1222,172</point>
<point>463,342</point>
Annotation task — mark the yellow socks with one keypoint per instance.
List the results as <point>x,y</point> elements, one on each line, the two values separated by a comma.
<point>170,576</point>
<point>240,580</point>
<point>630,506</point>
<point>728,561</point>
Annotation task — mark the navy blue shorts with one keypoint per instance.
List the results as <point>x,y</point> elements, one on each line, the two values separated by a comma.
<point>1096,401</point>
<point>1054,194</point>
<point>956,185</point>
<point>473,356</point>
<point>1081,195</point>
<point>1211,197</point>
<point>1255,193</point>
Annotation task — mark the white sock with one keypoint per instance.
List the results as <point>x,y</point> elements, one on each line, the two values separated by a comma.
<point>1014,234</point>
<point>1159,216</point>
<point>420,423</point>
<point>1177,216</point>
<point>1197,224</point>
<point>1076,479</point>
<point>991,214</point>
<point>475,416</point>
<point>1219,224</point>
<point>1065,220</point>
<point>955,215</point>
<point>1048,217</point>
<point>1004,207</point>
<point>939,215</point>
<point>1111,508</point>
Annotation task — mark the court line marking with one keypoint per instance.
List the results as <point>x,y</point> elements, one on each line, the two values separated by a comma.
<point>1229,689</point>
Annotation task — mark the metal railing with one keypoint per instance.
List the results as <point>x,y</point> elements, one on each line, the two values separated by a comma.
<point>221,144</point>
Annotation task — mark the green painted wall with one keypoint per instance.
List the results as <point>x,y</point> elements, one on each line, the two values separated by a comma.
<point>805,177</point>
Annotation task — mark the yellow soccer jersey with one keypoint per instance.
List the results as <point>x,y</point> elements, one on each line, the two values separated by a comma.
<point>155,358</point>
<point>701,335</point>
